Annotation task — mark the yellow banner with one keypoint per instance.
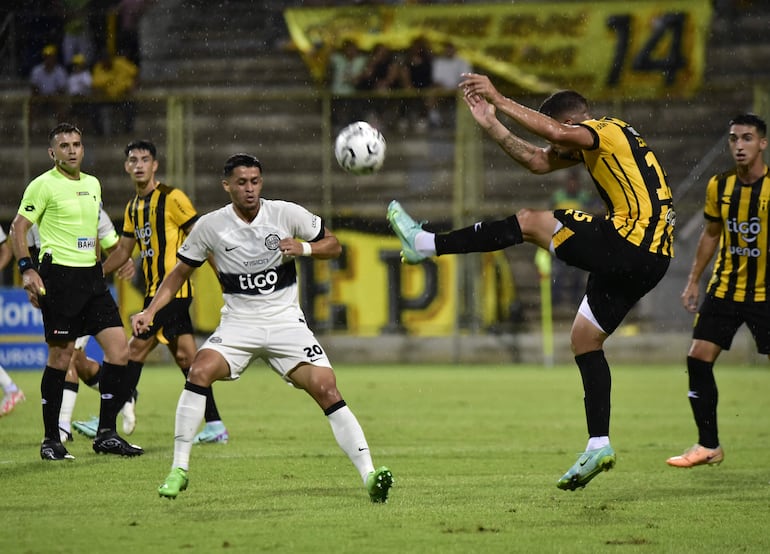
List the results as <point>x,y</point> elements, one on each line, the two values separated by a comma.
<point>632,50</point>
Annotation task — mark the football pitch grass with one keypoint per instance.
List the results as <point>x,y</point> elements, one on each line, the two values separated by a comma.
<point>475,451</point>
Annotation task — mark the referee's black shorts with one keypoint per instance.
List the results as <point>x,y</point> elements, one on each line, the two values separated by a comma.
<point>620,273</point>
<point>77,302</point>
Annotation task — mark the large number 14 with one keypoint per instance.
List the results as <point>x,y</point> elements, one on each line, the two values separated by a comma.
<point>669,24</point>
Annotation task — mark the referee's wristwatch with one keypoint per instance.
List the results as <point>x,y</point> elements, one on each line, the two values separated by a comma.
<point>25,264</point>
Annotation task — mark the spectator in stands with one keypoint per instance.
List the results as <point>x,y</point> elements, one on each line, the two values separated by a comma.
<point>418,76</point>
<point>76,39</point>
<point>383,72</point>
<point>448,68</point>
<point>98,12</point>
<point>130,13</point>
<point>115,79</point>
<point>79,89</point>
<point>48,84</point>
<point>38,23</point>
<point>345,67</point>
<point>79,80</point>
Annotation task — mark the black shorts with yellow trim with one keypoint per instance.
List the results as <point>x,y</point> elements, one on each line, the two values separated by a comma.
<point>718,320</point>
<point>171,321</point>
<point>620,273</point>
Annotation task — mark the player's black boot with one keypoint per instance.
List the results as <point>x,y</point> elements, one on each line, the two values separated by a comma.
<point>51,449</point>
<point>109,442</point>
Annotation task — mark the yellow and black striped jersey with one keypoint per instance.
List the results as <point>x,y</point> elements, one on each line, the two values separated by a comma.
<point>632,184</point>
<point>741,267</point>
<point>159,222</point>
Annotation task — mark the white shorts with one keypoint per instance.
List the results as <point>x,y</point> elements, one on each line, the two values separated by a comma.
<point>283,347</point>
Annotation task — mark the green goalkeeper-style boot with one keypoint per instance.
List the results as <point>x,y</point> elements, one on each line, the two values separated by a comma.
<point>378,483</point>
<point>175,482</point>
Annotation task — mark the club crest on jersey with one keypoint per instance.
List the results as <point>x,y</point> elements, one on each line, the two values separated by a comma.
<point>271,241</point>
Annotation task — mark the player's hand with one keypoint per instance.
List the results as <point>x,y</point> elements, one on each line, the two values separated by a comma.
<point>34,286</point>
<point>481,110</point>
<point>290,247</point>
<point>690,297</point>
<point>140,323</point>
<point>474,84</point>
<point>127,270</point>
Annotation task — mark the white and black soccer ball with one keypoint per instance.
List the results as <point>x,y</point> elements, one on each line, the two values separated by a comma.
<point>360,148</point>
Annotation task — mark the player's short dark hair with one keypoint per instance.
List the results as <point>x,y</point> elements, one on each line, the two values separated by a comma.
<point>563,102</point>
<point>750,119</point>
<point>63,128</point>
<point>240,160</point>
<point>141,144</point>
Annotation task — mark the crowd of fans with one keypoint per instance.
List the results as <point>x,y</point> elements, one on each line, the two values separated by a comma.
<point>82,73</point>
<point>431,69</point>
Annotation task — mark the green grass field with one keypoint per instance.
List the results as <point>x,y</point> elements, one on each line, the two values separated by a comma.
<point>476,452</point>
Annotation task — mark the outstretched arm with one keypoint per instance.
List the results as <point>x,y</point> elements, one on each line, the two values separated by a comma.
<point>565,134</point>
<point>168,288</point>
<point>536,159</point>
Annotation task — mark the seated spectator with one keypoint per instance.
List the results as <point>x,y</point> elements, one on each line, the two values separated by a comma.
<point>76,37</point>
<point>447,70</point>
<point>418,66</point>
<point>115,79</point>
<point>130,14</point>
<point>79,80</point>
<point>345,67</point>
<point>79,90</point>
<point>48,85</point>
<point>384,71</point>
<point>448,67</point>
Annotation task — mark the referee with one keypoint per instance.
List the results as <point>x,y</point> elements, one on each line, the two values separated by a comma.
<point>69,288</point>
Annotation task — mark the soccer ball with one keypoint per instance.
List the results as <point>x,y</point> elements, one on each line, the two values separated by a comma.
<point>360,148</point>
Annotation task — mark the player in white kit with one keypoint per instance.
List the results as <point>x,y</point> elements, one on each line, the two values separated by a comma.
<point>253,243</point>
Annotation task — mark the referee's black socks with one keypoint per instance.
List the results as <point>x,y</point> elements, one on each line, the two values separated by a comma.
<point>51,389</point>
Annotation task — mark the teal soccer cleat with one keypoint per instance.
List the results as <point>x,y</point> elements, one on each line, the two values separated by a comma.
<point>406,230</point>
<point>378,483</point>
<point>212,432</point>
<point>87,428</point>
<point>175,482</point>
<point>590,464</point>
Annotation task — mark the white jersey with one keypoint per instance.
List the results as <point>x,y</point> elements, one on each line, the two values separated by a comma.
<point>3,236</point>
<point>259,284</point>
